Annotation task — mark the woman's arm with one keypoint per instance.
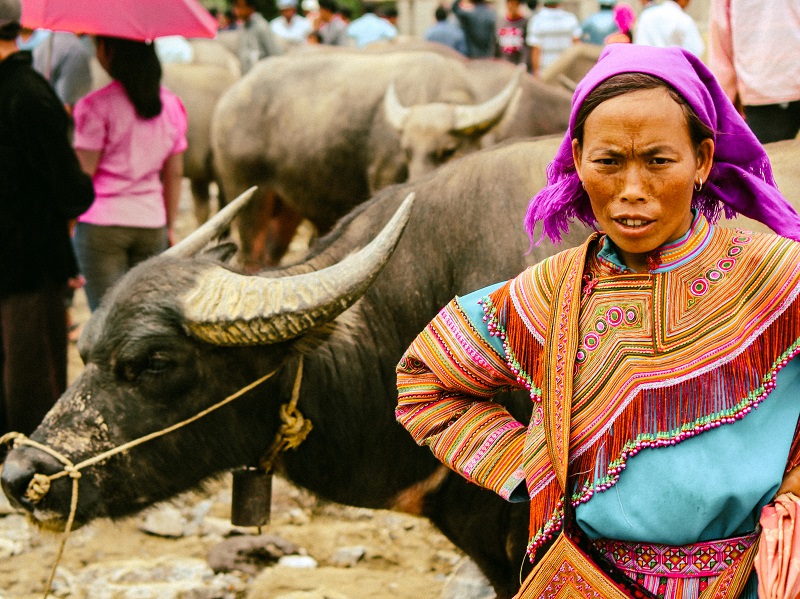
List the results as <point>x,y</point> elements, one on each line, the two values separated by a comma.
<point>171,178</point>
<point>791,482</point>
<point>89,160</point>
<point>445,382</point>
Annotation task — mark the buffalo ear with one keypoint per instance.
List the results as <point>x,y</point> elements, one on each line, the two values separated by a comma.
<point>222,252</point>
<point>90,333</point>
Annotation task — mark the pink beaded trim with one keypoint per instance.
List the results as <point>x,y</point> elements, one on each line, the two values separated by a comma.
<point>688,430</point>
<point>546,532</point>
<point>664,439</point>
<point>498,330</point>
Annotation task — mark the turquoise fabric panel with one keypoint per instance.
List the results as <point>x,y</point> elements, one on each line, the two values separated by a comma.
<point>474,311</point>
<point>709,487</point>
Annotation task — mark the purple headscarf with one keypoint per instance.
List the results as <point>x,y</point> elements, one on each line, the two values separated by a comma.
<point>740,180</point>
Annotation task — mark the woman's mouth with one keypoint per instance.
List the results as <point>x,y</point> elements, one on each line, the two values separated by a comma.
<point>633,222</point>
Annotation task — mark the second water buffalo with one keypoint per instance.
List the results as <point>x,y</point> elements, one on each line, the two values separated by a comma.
<point>312,132</point>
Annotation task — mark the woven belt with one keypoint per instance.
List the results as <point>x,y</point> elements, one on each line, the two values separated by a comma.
<point>683,561</point>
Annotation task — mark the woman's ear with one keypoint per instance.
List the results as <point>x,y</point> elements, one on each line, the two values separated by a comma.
<point>705,159</point>
<point>576,157</point>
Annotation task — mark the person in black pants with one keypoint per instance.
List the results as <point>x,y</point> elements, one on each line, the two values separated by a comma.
<point>42,189</point>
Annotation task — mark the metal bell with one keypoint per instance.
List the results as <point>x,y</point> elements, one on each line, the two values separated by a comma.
<point>251,497</point>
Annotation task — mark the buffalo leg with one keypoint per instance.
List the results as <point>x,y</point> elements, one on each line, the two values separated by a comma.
<point>266,227</point>
<point>491,531</point>
<point>201,200</point>
<point>282,228</point>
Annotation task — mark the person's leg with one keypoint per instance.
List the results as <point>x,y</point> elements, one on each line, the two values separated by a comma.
<point>57,336</point>
<point>34,349</point>
<point>794,118</point>
<point>102,254</point>
<point>773,122</point>
<point>146,243</point>
<point>3,418</point>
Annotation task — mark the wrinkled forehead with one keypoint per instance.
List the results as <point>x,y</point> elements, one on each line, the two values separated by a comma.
<point>676,67</point>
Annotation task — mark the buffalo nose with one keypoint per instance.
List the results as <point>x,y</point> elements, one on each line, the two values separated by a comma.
<point>18,470</point>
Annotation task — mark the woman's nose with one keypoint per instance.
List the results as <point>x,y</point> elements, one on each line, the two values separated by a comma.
<point>633,188</point>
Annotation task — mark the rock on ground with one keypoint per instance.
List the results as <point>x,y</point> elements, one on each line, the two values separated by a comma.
<point>467,582</point>
<point>249,554</point>
<point>160,578</point>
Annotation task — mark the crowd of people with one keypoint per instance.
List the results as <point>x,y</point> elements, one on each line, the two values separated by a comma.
<point>526,33</point>
<point>520,32</point>
<point>322,22</point>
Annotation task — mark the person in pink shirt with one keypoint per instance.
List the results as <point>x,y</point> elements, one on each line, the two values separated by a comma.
<point>754,52</point>
<point>625,18</point>
<point>130,137</point>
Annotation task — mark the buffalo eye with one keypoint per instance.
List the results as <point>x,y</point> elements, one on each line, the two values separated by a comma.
<point>158,365</point>
<point>445,154</point>
<point>152,365</point>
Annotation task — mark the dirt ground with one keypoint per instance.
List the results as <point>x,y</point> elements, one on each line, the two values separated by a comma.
<point>403,556</point>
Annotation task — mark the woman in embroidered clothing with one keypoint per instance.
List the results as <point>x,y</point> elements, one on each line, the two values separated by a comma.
<point>661,335</point>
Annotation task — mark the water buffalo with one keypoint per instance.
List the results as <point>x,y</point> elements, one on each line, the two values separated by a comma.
<point>215,52</point>
<point>784,156</point>
<point>538,109</point>
<point>571,66</point>
<point>165,344</point>
<point>310,131</point>
<point>199,86</point>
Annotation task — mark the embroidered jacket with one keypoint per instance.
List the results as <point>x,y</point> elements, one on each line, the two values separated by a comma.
<point>663,356</point>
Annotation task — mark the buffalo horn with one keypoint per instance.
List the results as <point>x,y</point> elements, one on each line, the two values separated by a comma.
<point>211,229</point>
<point>480,116</point>
<point>227,308</point>
<point>395,112</point>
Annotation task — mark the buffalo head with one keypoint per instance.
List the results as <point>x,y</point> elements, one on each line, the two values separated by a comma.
<point>175,336</point>
<point>431,134</point>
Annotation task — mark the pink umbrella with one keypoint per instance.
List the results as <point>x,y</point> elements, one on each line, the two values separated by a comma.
<point>133,19</point>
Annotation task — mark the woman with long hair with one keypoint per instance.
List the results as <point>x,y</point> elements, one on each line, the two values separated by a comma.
<point>130,137</point>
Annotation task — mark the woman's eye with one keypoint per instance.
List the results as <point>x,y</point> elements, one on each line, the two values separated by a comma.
<point>660,160</point>
<point>606,161</point>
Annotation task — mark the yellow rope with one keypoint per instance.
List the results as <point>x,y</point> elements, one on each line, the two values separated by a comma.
<point>293,431</point>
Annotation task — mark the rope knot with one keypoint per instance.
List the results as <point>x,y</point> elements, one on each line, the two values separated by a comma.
<point>37,488</point>
<point>73,472</point>
<point>295,427</point>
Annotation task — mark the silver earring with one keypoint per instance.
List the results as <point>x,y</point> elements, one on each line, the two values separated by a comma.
<point>698,186</point>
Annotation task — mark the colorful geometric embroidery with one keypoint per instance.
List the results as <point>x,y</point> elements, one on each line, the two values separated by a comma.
<point>451,364</point>
<point>704,360</point>
<point>734,337</point>
<point>700,286</point>
<point>687,561</point>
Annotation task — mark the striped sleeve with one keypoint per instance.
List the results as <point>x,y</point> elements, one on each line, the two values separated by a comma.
<point>445,382</point>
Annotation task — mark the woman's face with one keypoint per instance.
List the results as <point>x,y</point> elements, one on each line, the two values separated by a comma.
<point>639,166</point>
